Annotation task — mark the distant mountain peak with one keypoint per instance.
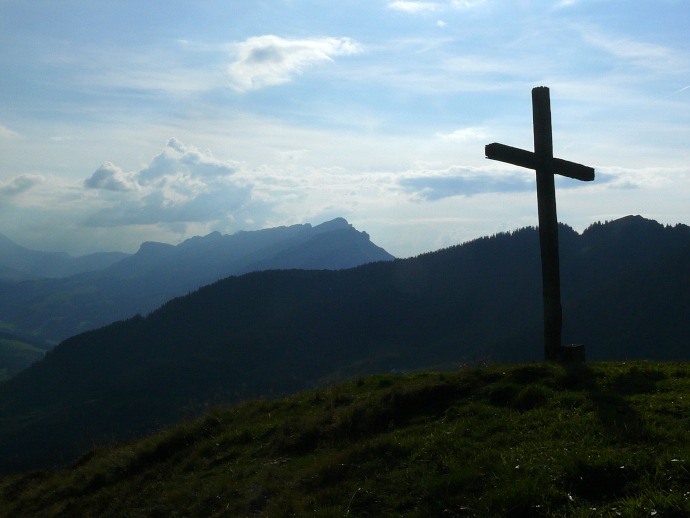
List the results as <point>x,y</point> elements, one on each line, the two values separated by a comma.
<point>213,235</point>
<point>153,246</point>
<point>208,238</point>
<point>334,224</point>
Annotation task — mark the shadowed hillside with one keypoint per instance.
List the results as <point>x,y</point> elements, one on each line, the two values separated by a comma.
<point>16,354</point>
<point>278,332</point>
<point>608,439</point>
<point>54,309</point>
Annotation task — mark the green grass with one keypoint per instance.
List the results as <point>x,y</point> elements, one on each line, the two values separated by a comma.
<point>608,439</point>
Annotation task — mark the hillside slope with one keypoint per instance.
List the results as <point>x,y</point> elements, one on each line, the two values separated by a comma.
<point>532,440</point>
<point>54,309</point>
<point>16,354</point>
<point>278,332</point>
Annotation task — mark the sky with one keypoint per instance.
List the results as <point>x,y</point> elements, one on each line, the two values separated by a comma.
<point>129,121</point>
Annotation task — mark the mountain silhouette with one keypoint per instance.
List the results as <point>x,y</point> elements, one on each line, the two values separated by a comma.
<point>19,264</point>
<point>625,295</point>
<point>54,309</point>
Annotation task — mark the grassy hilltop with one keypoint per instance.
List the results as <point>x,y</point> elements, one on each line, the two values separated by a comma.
<point>604,439</point>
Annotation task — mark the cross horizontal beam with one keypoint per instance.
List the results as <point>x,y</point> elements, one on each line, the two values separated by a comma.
<point>523,158</point>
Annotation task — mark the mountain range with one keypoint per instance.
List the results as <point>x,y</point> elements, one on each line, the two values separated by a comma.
<point>20,264</point>
<point>55,307</point>
<point>625,296</point>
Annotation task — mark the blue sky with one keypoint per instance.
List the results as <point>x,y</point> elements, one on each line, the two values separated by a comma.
<point>123,122</point>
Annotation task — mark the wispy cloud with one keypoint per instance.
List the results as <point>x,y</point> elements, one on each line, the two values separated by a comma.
<point>270,60</point>
<point>171,67</point>
<point>464,4</point>
<point>21,184</point>
<point>639,53</point>
<point>464,135</point>
<point>462,181</point>
<point>6,132</point>
<point>430,185</point>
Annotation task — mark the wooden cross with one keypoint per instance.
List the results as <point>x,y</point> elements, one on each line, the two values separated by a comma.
<point>545,165</point>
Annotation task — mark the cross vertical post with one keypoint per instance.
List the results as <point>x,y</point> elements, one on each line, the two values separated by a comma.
<point>545,166</point>
<point>548,222</point>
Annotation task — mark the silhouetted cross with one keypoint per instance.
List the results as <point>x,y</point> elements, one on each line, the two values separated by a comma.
<point>545,165</point>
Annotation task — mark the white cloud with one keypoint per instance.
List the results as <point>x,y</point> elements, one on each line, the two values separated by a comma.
<point>414,7</point>
<point>465,4</point>
<point>180,185</point>
<point>464,135</point>
<point>178,159</point>
<point>111,178</point>
<point>20,184</point>
<point>269,60</point>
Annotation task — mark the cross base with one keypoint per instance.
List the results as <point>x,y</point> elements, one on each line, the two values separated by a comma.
<point>572,353</point>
